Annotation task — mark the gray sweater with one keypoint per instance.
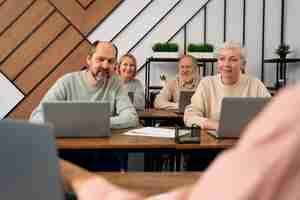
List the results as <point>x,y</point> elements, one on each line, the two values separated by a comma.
<point>74,87</point>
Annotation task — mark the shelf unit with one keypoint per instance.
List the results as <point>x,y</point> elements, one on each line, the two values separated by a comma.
<point>281,64</point>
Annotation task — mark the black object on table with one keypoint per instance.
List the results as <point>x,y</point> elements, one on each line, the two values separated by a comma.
<point>187,135</point>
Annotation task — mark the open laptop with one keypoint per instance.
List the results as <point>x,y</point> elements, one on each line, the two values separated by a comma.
<point>236,113</point>
<point>78,119</point>
<point>184,99</point>
<point>29,162</point>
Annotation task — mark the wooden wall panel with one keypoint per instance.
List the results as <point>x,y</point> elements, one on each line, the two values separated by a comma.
<point>23,28</point>
<point>72,63</point>
<point>2,1</point>
<point>48,60</point>
<point>10,10</point>
<point>34,46</point>
<point>86,3</point>
<point>86,19</point>
<point>41,40</point>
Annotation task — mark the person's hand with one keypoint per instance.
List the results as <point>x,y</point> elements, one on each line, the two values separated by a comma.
<point>279,118</point>
<point>265,163</point>
<point>211,124</point>
<point>176,194</point>
<point>89,186</point>
<point>96,188</point>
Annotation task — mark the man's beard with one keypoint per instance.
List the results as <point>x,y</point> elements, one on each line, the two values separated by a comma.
<point>101,76</point>
<point>186,78</point>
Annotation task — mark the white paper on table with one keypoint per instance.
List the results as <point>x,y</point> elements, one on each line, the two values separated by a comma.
<point>152,132</point>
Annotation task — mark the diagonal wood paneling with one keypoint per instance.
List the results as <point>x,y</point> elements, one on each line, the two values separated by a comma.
<point>36,43</point>
<point>85,3</point>
<point>86,19</point>
<point>45,63</point>
<point>2,1</point>
<point>42,39</point>
<point>23,28</point>
<point>72,63</point>
<point>10,10</point>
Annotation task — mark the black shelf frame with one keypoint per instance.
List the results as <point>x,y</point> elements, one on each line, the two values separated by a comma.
<point>281,73</point>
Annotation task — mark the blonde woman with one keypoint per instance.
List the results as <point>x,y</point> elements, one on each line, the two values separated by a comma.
<point>127,71</point>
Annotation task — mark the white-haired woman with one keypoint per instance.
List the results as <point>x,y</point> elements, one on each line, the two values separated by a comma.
<point>205,106</point>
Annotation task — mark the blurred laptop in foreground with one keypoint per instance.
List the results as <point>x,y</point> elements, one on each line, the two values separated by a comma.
<point>29,162</point>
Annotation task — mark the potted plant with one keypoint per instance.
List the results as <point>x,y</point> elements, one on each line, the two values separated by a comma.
<point>201,50</point>
<point>165,50</point>
<point>282,50</point>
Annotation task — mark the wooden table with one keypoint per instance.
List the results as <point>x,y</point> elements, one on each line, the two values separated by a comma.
<point>151,183</point>
<point>151,116</point>
<point>159,114</point>
<point>208,142</point>
<point>124,143</point>
<point>120,141</point>
<point>116,142</point>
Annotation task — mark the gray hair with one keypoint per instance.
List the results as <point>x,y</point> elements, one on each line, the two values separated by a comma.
<point>194,61</point>
<point>194,65</point>
<point>233,45</point>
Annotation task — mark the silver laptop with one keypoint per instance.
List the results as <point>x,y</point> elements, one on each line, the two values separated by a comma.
<point>78,119</point>
<point>184,99</point>
<point>236,113</point>
<point>29,162</point>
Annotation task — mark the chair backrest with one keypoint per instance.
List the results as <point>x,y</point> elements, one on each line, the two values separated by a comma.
<point>152,97</point>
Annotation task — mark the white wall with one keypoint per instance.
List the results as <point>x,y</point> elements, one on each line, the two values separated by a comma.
<point>272,36</point>
<point>9,98</point>
<point>254,36</point>
<point>162,32</point>
<point>292,37</point>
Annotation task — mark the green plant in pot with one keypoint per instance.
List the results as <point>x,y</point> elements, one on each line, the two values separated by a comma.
<point>165,47</point>
<point>282,50</point>
<point>201,47</point>
<point>201,50</point>
<point>168,50</point>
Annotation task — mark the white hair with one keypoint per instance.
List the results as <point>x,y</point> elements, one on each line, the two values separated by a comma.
<point>233,45</point>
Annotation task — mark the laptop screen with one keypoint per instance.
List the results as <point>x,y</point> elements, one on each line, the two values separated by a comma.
<point>78,119</point>
<point>236,113</point>
<point>185,99</point>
